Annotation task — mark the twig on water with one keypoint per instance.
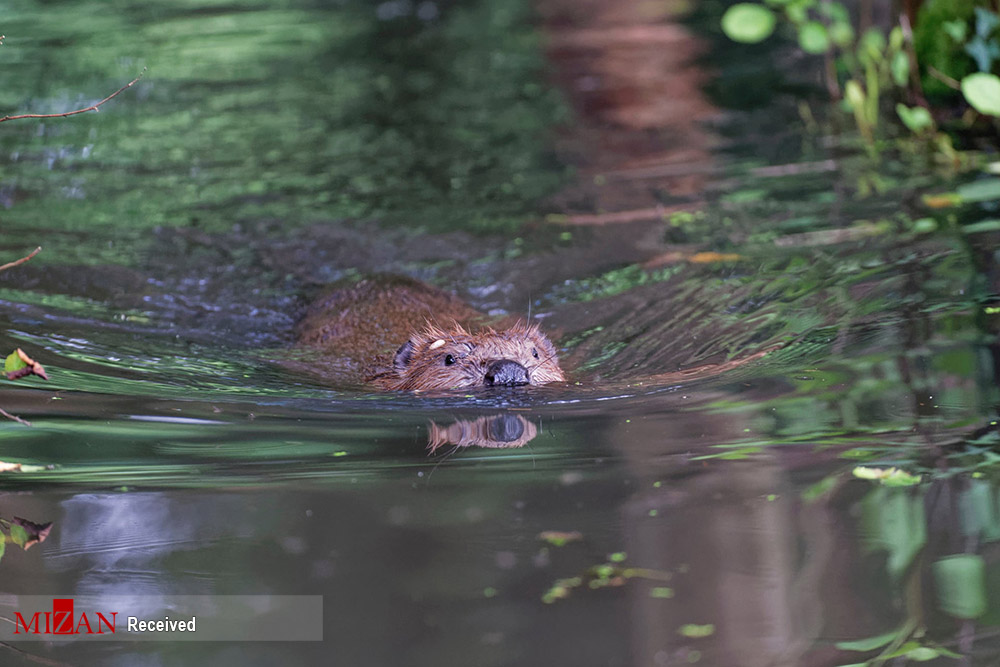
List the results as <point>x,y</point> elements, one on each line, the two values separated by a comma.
<point>6,414</point>
<point>11,265</point>
<point>92,107</point>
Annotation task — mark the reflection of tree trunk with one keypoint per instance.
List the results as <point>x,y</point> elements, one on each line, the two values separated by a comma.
<point>764,572</point>
<point>768,570</point>
<point>626,68</point>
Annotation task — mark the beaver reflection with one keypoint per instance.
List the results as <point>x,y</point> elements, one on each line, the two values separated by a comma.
<point>498,431</point>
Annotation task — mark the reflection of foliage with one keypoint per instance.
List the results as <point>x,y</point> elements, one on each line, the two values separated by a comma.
<point>921,530</point>
<point>435,122</point>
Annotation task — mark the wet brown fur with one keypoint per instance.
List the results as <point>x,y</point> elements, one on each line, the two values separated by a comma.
<point>357,326</point>
<point>421,364</point>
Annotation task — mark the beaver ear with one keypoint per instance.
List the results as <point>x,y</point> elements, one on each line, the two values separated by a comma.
<point>403,356</point>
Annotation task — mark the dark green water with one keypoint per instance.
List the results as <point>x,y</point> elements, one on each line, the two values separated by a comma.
<point>179,448</point>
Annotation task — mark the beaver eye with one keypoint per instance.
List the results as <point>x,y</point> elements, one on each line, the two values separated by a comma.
<point>534,353</point>
<point>449,360</point>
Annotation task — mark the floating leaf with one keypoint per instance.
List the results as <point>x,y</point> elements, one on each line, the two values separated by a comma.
<point>35,532</point>
<point>13,363</point>
<point>18,364</point>
<point>748,23</point>
<point>18,535</point>
<point>559,538</point>
<point>695,631</point>
<point>982,92</point>
<point>661,592</point>
<point>961,585</point>
<point>813,37</point>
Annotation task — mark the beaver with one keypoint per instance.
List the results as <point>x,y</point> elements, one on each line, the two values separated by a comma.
<point>446,344</point>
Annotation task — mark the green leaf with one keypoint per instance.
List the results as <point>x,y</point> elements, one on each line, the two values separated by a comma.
<point>872,43</point>
<point>835,11</point>
<point>854,94</point>
<point>869,643</point>
<point>900,68</point>
<point>813,37</point>
<point>13,362</point>
<point>917,119</point>
<point>979,227</point>
<point>796,13</point>
<point>842,34</point>
<point>982,92</point>
<point>961,585</point>
<point>18,535</point>
<point>896,39</point>
<point>984,189</point>
<point>3,547</point>
<point>748,23</point>
<point>986,22</point>
<point>925,225</point>
<point>984,52</point>
<point>956,29</point>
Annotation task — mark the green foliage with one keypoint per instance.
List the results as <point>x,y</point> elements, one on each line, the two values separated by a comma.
<point>917,119</point>
<point>982,91</point>
<point>948,38</point>
<point>984,47</point>
<point>748,23</point>
<point>939,23</point>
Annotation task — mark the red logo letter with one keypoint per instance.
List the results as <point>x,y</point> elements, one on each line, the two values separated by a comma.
<point>62,616</point>
<point>19,622</point>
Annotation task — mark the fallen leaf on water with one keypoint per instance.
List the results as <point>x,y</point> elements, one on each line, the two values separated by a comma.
<point>709,257</point>
<point>18,365</point>
<point>37,532</point>
<point>557,538</point>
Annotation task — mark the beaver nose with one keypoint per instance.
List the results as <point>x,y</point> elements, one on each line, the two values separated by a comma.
<point>506,372</point>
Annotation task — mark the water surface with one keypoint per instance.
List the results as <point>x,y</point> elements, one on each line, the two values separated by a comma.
<point>748,313</point>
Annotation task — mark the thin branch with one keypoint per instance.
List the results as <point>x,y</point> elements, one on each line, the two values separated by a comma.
<point>944,78</point>
<point>92,107</point>
<point>14,417</point>
<point>11,265</point>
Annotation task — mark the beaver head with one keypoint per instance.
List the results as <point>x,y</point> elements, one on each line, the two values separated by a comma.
<point>455,358</point>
